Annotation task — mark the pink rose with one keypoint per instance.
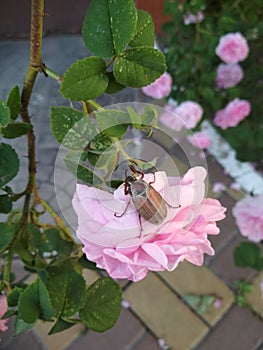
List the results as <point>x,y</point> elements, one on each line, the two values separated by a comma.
<point>125,249</point>
<point>200,140</point>
<point>248,213</point>
<point>261,288</point>
<point>159,88</point>
<point>232,48</point>
<point>3,310</point>
<point>169,118</point>
<point>228,75</point>
<point>232,114</point>
<point>186,115</point>
<point>190,18</point>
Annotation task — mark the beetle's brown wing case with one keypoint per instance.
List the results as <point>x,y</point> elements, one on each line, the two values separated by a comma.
<point>151,207</point>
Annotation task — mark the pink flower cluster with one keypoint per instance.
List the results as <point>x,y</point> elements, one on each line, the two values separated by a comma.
<point>3,310</point>
<point>248,213</point>
<point>186,115</point>
<point>200,140</point>
<point>232,48</point>
<point>160,88</point>
<point>228,75</point>
<point>126,249</point>
<point>232,114</point>
<point>190,18</point>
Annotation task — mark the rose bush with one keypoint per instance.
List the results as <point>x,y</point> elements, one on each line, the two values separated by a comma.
<point>186,115</point>
<point>232,114</point>
<point>160,88</point>
<point>3,310</point>
<point>232,48</point>
<point>118,244</point>
<point>248,213</point>
<point>228,75</point>
<point>200,140</point>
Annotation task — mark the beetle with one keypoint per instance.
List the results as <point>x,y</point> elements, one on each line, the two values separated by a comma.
<point>148,202</point>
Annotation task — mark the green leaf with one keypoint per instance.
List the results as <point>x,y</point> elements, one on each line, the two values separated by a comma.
<point>35,233</point>
<point>15,129</point>
<point>113,85</point>
<point>6,203</point>
<point>21,326</point>
<point>4,114</point>
<point>109,26</point>
<point>144,33</point>
<point>9,164</point>
<point>34,303</point>
<point>85,79</point>
<point>67,289</point>
<point>60,326</point>
<point>113,122</point>
<point>148,118</point>
<point>139,67</point>
<point>71,127</point>
<point>86,264</point>
<point>13,297</point>
<point>6,235</point>
<point>100,143</point>
<point>13,102</point>
<point>248,254</point>
<point>80,170</point>
<point>56,243</point>
<point>103,305</point>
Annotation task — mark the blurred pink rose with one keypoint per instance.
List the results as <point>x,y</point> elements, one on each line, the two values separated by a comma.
<point>228,75</point>
<point>159,88</point>
<point>190,18</point>
<point>200,140</point>
<point>3,310</point>
<point>232,48</point>
<point>118,245</point>
<point>248,213</point>
<point>261,288</point>
<point>232,114</point>
<point>186,115</point>
<point>169,118</point>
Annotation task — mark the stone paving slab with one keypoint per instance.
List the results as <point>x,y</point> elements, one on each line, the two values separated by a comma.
<point>164,313</point>
<point>127,331</point>
<point>58,341</point>
<point>255,299</point>
<point>239,330</point>
<point>223,263</point>
<point>200,281</point>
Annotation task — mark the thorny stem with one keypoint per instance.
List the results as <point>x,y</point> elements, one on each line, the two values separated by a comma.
<point>35,66</point>
<point>37,12</point>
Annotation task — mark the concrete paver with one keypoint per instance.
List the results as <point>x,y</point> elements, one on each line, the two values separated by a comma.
<point>164,313</point>
<point>239,330</point>
<point>127,331</point>
<point>223,263</point>
<point>255,299</point>
<point>186,280</point>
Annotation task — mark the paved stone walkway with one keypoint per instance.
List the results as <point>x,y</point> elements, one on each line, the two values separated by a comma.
<point>157,309</point>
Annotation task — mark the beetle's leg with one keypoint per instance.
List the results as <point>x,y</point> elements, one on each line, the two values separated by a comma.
<point>135,171</point>
<point>120,215</point>
<point>171,206</point>
<point>153,179</point>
